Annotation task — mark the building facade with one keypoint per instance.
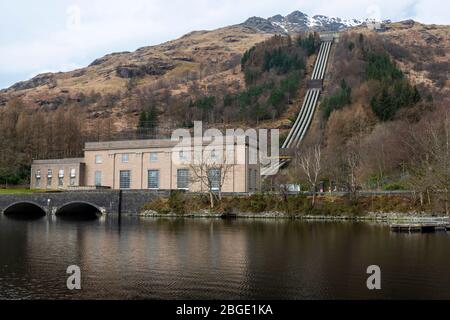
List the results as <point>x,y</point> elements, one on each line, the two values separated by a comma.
<point>150,164</point>
<point>58,173</point>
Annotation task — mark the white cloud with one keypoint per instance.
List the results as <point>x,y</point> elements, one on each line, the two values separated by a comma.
<point>57,38</point>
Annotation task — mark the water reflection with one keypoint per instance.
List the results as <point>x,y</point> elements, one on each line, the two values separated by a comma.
<point>218,259</point>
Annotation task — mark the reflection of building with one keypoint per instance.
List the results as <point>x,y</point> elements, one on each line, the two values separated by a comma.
<point>151,164</point>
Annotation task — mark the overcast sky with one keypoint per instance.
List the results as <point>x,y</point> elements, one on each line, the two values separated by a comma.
<point>62,35</point>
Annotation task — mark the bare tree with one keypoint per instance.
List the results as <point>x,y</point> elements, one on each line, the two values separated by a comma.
<point>210,171</point>
<point>353,162</point>
<point>430,165</point>
<point>310,164</point>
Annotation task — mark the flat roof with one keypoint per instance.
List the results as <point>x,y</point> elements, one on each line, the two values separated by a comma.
<point>59,161</point>
<point>139,144</point>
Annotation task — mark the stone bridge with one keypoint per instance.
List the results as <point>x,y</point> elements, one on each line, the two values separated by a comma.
<point>68,203</point>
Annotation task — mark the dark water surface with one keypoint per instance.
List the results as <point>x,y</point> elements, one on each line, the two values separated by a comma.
<point>217,259</point>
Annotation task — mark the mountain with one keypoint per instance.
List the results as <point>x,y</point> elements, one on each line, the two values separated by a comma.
<point>117,86</point>
<point>298,21</point>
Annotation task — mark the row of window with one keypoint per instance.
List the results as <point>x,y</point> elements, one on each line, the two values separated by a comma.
<point>154,156</point>
<point>153,179</point>
<point>61,173</point>
<point>126,158</point>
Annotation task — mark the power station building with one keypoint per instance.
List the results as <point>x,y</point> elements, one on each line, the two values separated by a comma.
<point>152,164</point>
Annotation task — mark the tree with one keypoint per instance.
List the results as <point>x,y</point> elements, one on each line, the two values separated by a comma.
<point>353,162</point>
<point>430,163</point>
<point>209,170</point>
<point>310,163</point>
<point>142,119</point>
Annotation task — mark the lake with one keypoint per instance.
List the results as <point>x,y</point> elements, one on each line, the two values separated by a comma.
<point>149,258</point>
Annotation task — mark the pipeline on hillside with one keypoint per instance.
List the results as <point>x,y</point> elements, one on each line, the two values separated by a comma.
<point>305,116</point>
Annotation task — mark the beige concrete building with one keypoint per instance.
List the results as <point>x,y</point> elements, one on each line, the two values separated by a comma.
<point>153,164</point>
<point>58,173</point>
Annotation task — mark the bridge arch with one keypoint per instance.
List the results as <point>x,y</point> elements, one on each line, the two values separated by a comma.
<point>24,210</point>
<point>79,210</point>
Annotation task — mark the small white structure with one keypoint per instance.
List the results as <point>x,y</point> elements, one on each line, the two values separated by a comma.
<point>374,25</point>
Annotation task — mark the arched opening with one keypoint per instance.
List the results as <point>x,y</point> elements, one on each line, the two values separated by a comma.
<point>24,211</point>
<point>78,211</point>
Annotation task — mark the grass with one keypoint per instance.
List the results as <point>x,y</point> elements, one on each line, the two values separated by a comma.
<point>291,205</point>
<point>17,191</point>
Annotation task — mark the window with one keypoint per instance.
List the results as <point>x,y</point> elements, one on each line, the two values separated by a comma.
<point>125,179</point>
<point>153,157</point>
<point>73,175</point>
<point>49,177</point>
<point>214,179</point>
<point>98,178</point>
<point>153,179</point>
<point>213,155</point>
<point>37,182</point>
<point>98,159</point>
<point>183,178</point>
<point>125,158</point>
<point>182,155</point>
<point>61,178</point>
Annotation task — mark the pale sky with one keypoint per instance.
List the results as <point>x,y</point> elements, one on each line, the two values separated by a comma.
<point>62,35</point>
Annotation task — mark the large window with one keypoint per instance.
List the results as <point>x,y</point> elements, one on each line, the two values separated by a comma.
<point>214,179</point>
<point>153,157</point>
<point>153,179</point>
<point>183,178</point>
<point>98,178</point>
<point>125,179</point>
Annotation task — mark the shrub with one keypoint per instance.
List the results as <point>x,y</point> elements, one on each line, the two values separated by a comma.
<point>177,202</point>
<point>393,186</point>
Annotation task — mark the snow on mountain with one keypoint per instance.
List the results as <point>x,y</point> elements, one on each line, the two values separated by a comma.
<point>298,21</point>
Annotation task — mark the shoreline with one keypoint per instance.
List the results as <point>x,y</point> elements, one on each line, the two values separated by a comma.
<point>368,217</point>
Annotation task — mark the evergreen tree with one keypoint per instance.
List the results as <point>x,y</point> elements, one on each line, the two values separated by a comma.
<point>142,119</point>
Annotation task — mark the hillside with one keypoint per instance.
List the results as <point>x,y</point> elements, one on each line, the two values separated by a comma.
<point>108,86</point>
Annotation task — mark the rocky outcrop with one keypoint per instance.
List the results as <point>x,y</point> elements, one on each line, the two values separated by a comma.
<point>262,25</point>
<point>40,80</point>
<point>155,68</point>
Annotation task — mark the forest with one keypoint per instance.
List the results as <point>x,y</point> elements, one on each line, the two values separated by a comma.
<point>377,130</point>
